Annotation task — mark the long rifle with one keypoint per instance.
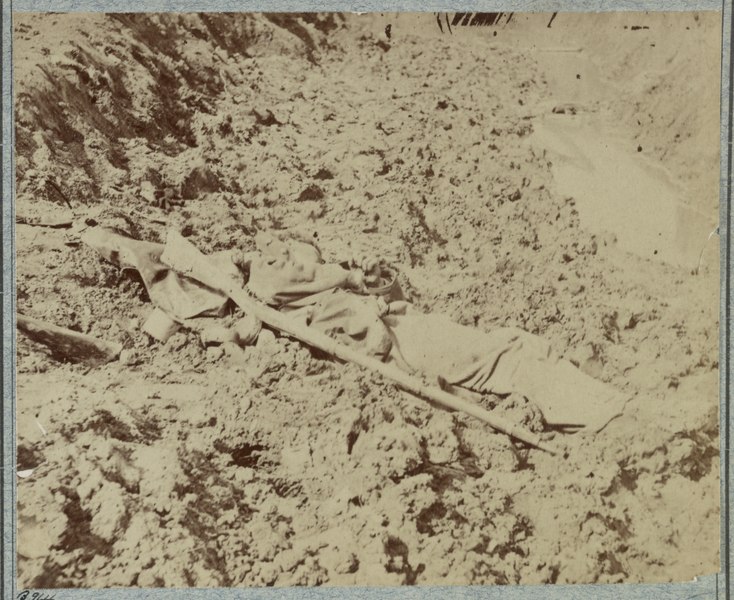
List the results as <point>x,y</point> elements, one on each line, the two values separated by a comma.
<point>182,256</point>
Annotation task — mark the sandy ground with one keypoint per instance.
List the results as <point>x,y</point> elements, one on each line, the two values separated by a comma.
<point>180,465</point>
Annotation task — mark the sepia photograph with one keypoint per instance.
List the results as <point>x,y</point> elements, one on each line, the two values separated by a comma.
<point>378,299</point>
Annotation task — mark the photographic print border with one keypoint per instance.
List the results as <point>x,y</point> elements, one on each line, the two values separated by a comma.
<point>714,586</point>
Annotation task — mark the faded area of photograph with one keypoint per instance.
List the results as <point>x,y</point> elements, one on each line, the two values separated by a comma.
<point>380,299</point>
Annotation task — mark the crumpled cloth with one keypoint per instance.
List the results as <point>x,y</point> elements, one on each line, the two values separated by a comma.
<point>504,361</point>
<point>351,319</point>
<point>178,296</point>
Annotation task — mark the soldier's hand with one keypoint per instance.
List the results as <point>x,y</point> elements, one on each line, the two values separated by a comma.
<point>369,266</point>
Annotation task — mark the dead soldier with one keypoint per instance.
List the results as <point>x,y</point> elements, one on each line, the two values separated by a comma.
<point>361,306</point>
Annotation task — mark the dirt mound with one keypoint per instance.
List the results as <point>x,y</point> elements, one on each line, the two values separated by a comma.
<point>110,88</point>
<point>186,465</point>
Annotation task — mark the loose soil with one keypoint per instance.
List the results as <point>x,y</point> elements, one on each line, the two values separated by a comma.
<point>180,465</point>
